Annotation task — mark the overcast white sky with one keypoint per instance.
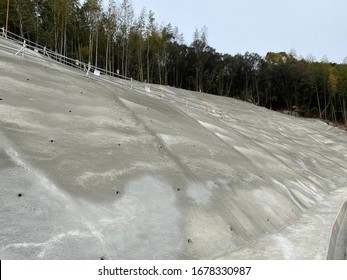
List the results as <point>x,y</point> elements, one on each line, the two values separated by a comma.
<point>311,27</point>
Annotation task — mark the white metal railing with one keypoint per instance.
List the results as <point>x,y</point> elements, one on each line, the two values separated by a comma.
<point>47,53</point>
<point>32,49</point>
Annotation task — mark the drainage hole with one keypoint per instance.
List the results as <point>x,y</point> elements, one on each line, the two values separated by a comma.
<point>20,195</point>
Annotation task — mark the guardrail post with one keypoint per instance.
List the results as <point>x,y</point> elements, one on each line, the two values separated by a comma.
<point>3,33</point>
<point>22,49</point>
<point>45,52</point>
<point>147,87</point>
<point>89,66</point>
<point>24,46</point>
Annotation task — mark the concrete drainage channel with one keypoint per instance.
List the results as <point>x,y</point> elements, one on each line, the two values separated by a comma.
<point>338,240</point>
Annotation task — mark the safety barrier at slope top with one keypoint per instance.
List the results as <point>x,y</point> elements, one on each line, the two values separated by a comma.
<point>25,47</point>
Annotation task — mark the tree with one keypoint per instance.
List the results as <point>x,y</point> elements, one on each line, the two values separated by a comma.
<point>24,20</point>
<point>113,37</point>
<point>200,45</point>
<point>110,27</point>
<point>91,10</point>
<point>126,19</point>
<point>138,38</point>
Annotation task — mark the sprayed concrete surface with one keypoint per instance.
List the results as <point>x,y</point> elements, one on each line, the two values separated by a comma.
<point>91,170</point>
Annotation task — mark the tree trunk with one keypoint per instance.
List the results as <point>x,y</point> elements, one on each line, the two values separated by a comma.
<point>317,94</point>
<point>18,10</point>
<point>159,68</point>
<point>344,111</point>
<point>113,58</point>
<point>230,85</point>
<point>126,58</point>
<point>148,64</point>
<point>90,46</point>
<point>96,46</point>
<point>197,79</point>
<point>140,62</point>
<point>123,57</point>
<point>37,21</point>
<point>107,47</point>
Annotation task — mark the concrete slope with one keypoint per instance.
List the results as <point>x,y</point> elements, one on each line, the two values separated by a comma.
<point>92,168</point>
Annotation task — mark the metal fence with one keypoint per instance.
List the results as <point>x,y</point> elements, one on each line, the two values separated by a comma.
<point>47,53</point>
<point>25,47</point>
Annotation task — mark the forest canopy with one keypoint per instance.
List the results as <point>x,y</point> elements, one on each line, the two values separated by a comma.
<point>113,37</point>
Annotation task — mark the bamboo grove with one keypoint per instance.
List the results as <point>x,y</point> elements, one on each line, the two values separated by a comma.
<point>115,38</point>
